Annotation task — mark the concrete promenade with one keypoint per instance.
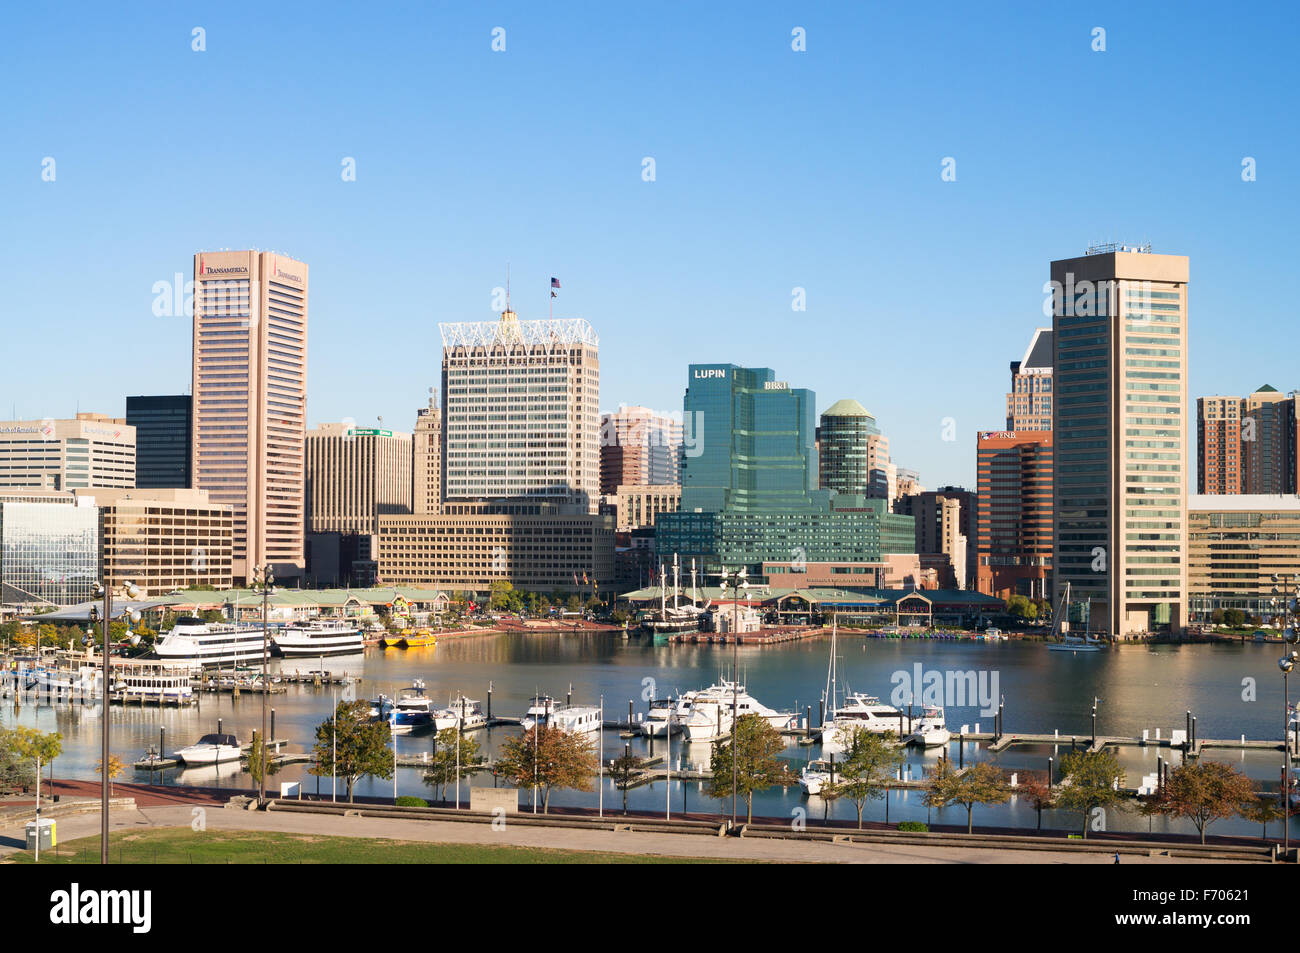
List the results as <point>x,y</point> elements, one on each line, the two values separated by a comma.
<point>216,817</point>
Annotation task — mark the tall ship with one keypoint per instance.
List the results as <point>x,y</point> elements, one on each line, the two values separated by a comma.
<point>210,643</point>
<point>675,618</point>
<point>317,638</point>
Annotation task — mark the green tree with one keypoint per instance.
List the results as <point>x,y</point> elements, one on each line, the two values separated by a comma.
<point>1202,792</point>
<point>1090,780</point>
<point>361,746</point>
<point>1234,617</point>
<point>548,757</point>
<point>442,765</point>
<point>1022,608</point>
<point>30,748</point>
<point>503,596</point>
<point>981,783</point>
<point>259,755</point>
<point>1263,810</point>
<point>757,766</point>
<point>870,762</point>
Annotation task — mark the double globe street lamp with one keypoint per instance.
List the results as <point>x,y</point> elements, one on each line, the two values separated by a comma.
<point>263,582</point>
<point>105,591</point>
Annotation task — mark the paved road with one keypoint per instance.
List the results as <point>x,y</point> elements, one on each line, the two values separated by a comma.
<point>458,832</point>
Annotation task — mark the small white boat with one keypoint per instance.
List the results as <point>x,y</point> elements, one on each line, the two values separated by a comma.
<point>211,749</point>
<point>813,777</point>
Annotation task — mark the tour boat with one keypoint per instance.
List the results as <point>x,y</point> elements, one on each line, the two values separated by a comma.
<point>164,684</point>
<point>462,711</point>
<point>209,643</point>
<point>211,749</point>
<point>317,638</point>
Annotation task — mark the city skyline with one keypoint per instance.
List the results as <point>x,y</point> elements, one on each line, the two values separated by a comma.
<point>681,269</point>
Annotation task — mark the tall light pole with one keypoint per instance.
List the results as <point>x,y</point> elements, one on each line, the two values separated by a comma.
<point>104,590</point>
<point>738,582</point>
<point>264,581</point>
<point>1286,663</point>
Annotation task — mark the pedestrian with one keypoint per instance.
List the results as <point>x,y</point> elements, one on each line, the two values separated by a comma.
<point>1117,857</point>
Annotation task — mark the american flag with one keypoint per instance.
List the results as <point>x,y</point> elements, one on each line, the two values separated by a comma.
<point>555,282</point>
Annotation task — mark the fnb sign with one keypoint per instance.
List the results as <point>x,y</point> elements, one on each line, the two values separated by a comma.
<point>707,373</point>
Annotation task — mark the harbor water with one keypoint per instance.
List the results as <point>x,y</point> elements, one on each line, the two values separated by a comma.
<point>1231,689</point>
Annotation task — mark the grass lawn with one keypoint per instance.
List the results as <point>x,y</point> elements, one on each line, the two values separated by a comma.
<point>180,845</point>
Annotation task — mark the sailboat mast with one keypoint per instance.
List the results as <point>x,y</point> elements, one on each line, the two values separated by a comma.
<point>676,580</point>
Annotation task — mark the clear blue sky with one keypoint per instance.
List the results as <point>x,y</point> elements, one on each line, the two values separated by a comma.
<point>775,169</point>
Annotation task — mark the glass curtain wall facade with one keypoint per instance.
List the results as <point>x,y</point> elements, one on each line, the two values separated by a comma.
<point>49,552</point>
<point>752,446</point>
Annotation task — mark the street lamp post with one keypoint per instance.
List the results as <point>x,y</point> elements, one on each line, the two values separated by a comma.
<point>1286,663</point>
<point>264,581</point>
<point>738,582</point>
<point>106,591</point>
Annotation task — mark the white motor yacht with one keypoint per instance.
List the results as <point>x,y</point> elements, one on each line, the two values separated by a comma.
<point>541,709</point>
<point>211,749</point>
<point>709,719</point>
<point>929,730</point>
<point>462,711</point>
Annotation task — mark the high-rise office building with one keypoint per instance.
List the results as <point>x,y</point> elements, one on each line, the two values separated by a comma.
<point>521,411</point>
<point>163,430</point>
<point>426,461</point>
<point>945,524</point>
<point>90,451</point>
<point>638,447</point>
<point>1120,434</point>
<point>750,494</point>
<point>755,441</point>
<point>845,449</point>
<point>1014,523</point>
<point>1029,405</point>
<point>354,476</point>
<point>163,539</point>
<point>250,396</point>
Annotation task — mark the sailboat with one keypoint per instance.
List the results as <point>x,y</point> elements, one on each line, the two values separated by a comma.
<point>1072,643</point>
